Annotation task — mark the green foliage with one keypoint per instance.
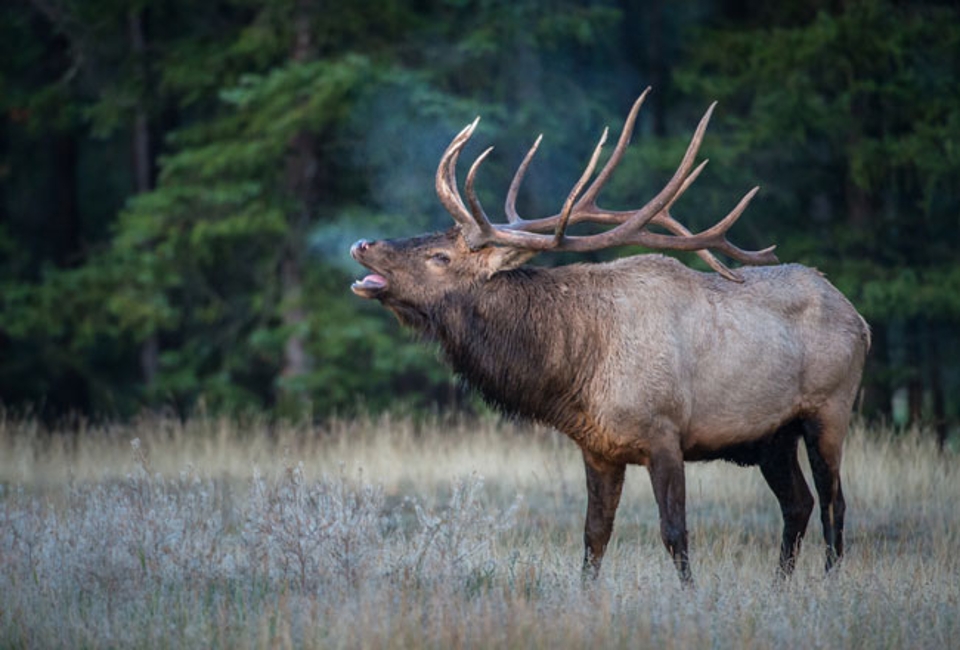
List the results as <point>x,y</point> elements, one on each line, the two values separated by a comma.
<point>208,243</point>
<point>282,132</point>
<point>358,353</point>
<point>208,240</point>
<point>863,106</point>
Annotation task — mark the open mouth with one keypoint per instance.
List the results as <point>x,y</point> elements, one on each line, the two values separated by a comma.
<point>373,284</point>
<point>370,286</point>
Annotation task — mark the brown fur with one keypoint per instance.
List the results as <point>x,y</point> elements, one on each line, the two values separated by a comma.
<point>646,361</point>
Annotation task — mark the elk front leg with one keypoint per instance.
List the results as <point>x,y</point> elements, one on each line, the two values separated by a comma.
<point>782,472</point>
<point>604,485</point>
<point>669,489</point>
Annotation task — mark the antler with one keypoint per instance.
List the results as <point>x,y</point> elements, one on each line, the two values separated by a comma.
<point>629,227</point>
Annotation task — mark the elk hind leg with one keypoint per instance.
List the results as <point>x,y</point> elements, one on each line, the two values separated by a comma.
<point>781,470</point>
<point>604,485</point>
<point>823,437</point>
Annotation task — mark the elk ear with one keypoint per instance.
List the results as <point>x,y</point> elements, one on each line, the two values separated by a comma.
<point>504,258</point>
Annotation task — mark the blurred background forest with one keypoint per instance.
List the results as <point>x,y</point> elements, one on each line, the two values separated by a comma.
<point>180,181</point>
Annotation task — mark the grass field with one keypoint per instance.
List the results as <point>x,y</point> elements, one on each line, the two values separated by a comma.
<point>446,534</point>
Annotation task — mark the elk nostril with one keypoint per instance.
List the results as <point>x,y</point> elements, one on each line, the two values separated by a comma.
<point>360,246</point>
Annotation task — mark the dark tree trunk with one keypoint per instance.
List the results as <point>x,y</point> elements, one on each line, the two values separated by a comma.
<point>858,205</point>
<point>69,390</point>
<point>644,43</point>
<point>935,381</point>
<point>878,392</point>
<point>142,155</point>
<point>301,181</point>
<point>296,359</point>
<point>657,64</point>
<point>914,352</point>
<point>65,229</point>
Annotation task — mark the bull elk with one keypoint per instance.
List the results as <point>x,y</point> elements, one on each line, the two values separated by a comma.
<point>641,360</point>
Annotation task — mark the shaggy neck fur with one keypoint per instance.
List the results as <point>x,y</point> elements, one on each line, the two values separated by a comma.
<point>516,340</point>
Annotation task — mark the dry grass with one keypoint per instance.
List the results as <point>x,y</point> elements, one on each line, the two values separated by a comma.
<point>382,533</point>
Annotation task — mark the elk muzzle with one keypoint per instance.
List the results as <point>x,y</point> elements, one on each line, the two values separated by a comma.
<point>373,284</point>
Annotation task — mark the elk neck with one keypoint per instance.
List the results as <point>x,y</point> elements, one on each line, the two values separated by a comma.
<point>525,340</point>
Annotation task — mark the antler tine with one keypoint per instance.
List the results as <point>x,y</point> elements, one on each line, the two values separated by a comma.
<point>719,230</point>
<point>476,228</point>
<point>674,187</point>
<point>713,237</point>
<point>510,205</point>
<point>721,227</point>
<point>665,220</point>
<point>687,182</point>
<point>589,198</point>
<point>627,222</point>
<point>568,205</point>
<point>709,258</point>
<point>446,178</point>
<point>479,216</point>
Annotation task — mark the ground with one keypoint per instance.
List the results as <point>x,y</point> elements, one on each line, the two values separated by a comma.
<point>392,533</point>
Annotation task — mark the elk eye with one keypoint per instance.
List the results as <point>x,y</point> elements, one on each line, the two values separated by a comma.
<point>440,258</point>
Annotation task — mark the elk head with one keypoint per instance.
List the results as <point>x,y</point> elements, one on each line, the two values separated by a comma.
<point>410,274</point>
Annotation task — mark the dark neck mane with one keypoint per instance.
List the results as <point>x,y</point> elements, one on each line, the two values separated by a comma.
<point>517,340</point>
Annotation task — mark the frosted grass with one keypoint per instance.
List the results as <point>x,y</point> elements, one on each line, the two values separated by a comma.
<point>388,533</point>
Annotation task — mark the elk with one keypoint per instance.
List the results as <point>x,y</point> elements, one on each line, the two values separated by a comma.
<point>641,360</point>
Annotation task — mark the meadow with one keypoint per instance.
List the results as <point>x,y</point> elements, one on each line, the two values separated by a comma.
<point>447,533</point>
